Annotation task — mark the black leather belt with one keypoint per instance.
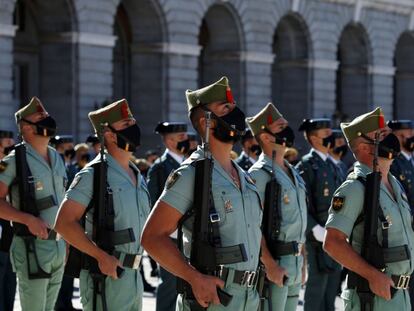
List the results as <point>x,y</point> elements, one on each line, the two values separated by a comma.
<point>132,261</point>
<point>400,281</point>
<point>278,249</point>
<point>244,278</point>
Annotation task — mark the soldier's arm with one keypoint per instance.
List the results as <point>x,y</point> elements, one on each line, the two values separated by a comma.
<point>68,219</point>
<point>35,225</point>
<point>176,199</point>
<point>337,246</point>
<point>153,183</point>
<point>347,204</point>
<point>7,175</point>
<point>306,172</point>
<point>274,272</point>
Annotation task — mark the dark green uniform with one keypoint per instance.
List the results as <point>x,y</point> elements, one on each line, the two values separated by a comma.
<point>321,180</point>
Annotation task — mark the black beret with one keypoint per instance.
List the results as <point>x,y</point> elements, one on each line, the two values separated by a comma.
<point>315,124</point>
<point>400,124</point>
<point>170,127</point>
<point>6,134</point>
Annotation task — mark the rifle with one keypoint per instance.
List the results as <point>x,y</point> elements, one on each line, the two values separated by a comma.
<point>28,205</point>
<point>371,251</point>
<point>272,214</point>
<point>103,225</point>
<point>206,250</point>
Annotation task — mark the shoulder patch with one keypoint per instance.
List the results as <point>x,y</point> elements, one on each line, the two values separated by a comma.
<point>172,179</point>
<point>3,166</point>
<point>337,203</point>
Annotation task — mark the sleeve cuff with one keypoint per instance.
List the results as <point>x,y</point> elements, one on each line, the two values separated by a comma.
<point>78,196</point>
<point>176,201</point>
<point>341,223</point>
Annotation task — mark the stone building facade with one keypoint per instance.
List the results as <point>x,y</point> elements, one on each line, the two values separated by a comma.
<point>312,58</point>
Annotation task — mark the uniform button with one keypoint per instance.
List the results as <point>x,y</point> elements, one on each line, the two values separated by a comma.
<point>251,256</point>
<point>248,225</point>
<point>140,215</point>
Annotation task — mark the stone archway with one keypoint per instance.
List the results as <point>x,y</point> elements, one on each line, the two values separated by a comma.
<point>353,81</point>
<point>44,59</point>
<point>404,77</point>
<point>221,43</point>
<point>291,89</point>
<point>139,64</point>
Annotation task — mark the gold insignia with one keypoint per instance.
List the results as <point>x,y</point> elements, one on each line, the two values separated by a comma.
<point>402,177</point>
<point>338,203</point>
<point>39,186</point>
<point>286,199</point>
<point>3,166</point>
<point>326,192</point>
<point>228,207</point>
<point>389,220</point>
<point>172,179</point>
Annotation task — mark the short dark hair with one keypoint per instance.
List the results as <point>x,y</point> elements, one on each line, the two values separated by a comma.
<point>194,115</point>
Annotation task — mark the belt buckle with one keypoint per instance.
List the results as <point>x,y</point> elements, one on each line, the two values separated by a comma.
<point>385,225</point>
<point>137,262</point>
<point>298,247</point>
<point>248,279</point>
<point>403,281</point>
<point>214,217</point>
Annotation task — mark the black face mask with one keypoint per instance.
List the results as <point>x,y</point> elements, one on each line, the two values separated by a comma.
<point>341,150</point>
<point>231,127</point>
<point>329,142</point>
<point>70,153</point>
<point>45,127</point>
<point>389,147</point>
<point>256,149</point>
<point>409,144</point>
<point>183,146</point>
<point>129,138</point>
<point>285,138</point>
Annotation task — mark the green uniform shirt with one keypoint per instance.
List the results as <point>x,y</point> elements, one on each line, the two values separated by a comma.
<point>239,209</point>
<point>131,202</point>
<point>49,179</point>
<point>293,208</point>
<point>343,216</point>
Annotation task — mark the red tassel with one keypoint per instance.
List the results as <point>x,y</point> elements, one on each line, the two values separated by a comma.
<point>229,95</point>
<point>381,121</point>
<point>269,119</point>
<point>39,108</point>
<point>124,111</point>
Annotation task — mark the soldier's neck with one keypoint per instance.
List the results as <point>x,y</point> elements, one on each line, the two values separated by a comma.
<point>221,153</point>
<point>121,156</point>
<point>39,145</point>
<point>279,155</point>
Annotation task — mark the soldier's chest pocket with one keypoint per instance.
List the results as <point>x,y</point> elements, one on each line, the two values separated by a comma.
<point>393,217</point>
<point>41,183</point>
<point>123,196</point>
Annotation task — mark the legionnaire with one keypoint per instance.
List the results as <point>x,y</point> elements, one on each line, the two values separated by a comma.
<point>338,151</point>
<point>34,175</point>
<point>250,153</point>
<point>321,180</point>
<point>403,168</point>
<point>234,214</point>
<point>353,214</point>
<point>7,276</point>
<point>127,205</point>
<point>288,233</point>
<point>175,139</point>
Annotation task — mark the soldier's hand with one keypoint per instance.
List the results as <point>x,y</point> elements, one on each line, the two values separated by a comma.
<point>37,227</point>
<point>380,284</point>
<point>276,274</point>
<point>205,289</point>
<point>108,264</point>
<point>304,274</point>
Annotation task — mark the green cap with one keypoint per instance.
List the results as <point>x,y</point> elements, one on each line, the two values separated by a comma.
<point>110,114</point>
<point>363,124</point>
<point>35,105</point>
<point>265,117</point>
<point>217,92</point>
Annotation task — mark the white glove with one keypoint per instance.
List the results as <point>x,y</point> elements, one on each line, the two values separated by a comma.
<point>319,233</point>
